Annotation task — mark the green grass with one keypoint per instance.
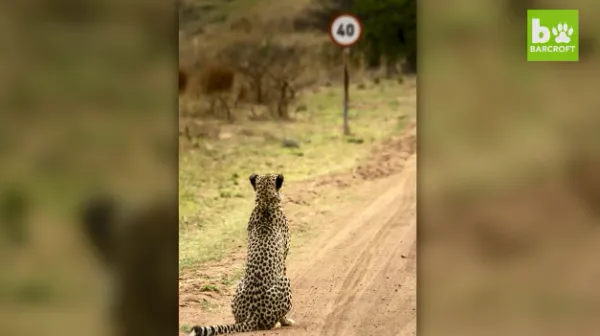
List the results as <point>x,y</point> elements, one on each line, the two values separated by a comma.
<point>215,197</point>
<point>210,288</point>
<point>228,280</point>
<point>186,328</point>
<point>29,291</point>
<point>206,305</point>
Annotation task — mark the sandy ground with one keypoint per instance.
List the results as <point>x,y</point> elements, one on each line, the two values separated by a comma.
<point>360,277</point>
<point>363,280</point>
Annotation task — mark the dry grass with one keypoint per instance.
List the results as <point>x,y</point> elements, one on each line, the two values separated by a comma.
<point>224,23</point>
<point>216,12</point>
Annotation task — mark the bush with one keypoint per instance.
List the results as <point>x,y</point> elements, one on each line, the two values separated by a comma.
<point>269,68</point>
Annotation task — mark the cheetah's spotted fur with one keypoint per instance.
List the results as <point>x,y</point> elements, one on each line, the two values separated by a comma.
<point>263,297</point>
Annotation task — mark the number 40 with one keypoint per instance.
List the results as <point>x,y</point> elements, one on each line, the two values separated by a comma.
<point>345,29</point>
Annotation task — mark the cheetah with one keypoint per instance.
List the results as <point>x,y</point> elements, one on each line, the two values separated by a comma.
<point>138,248</point>
<point>263,297</point>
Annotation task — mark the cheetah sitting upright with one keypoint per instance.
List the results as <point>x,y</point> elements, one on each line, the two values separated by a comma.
<point>263,297</point>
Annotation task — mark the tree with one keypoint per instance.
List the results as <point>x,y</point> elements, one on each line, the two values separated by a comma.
<point>390,27</point>
<point>390,30</point>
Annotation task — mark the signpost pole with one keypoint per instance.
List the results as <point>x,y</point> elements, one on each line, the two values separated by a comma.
<point>346,94</point>
<point>345,30</point>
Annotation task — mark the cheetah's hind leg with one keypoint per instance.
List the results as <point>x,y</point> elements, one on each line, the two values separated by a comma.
<point>285,295</point>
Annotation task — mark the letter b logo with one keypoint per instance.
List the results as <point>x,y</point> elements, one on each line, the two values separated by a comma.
<point>539,33</point>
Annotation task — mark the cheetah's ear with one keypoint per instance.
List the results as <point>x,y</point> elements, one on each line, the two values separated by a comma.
<point>279,181</point>
<point>98,217</point>
<point>252,179</point>
<point>183,81</point>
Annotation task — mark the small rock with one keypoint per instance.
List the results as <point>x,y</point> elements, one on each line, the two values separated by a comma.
<point>290,143</point>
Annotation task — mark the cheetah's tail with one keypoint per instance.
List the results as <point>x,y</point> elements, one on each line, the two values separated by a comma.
<point>221,329</point>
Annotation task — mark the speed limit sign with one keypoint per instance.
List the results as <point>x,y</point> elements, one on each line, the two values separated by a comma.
<point>345,30</point>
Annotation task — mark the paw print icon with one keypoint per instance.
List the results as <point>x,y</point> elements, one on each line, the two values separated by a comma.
<point>562,33</point>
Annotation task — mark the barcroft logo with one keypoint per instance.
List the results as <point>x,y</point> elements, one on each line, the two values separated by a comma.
<point>553,35</point>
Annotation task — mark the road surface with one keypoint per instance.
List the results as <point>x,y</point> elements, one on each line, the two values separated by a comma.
<point>360,279</point>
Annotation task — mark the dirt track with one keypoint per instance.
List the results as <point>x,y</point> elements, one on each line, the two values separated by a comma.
<point>361,278</point>
<point>363,281</point>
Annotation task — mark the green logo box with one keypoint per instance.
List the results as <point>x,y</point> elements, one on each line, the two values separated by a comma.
<point>553,35</point>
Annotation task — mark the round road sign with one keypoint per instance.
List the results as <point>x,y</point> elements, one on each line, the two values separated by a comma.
<point>345,30</point>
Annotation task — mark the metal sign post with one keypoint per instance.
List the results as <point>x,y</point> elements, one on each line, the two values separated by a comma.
<point>346,96</point>
<point>345,30</point>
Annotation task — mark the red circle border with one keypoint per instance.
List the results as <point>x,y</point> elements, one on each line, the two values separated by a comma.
<point>362,27</point>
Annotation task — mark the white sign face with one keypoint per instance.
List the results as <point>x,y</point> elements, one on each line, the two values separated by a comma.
<point>345,30</point>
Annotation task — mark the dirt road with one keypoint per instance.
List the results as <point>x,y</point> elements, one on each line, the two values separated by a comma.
<point>363,280</point>
<point>360,279</point>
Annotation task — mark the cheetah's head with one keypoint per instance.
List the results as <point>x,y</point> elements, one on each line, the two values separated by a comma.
<point>267,187</point>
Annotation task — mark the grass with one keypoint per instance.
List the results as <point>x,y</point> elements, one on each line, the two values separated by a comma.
<point>228,280</point>
<point>215,197</point>
<point>186,328</point>
<point>29,291</point>
<point>217,11</point>
<point>210,288</point>
<point>206,305</point>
